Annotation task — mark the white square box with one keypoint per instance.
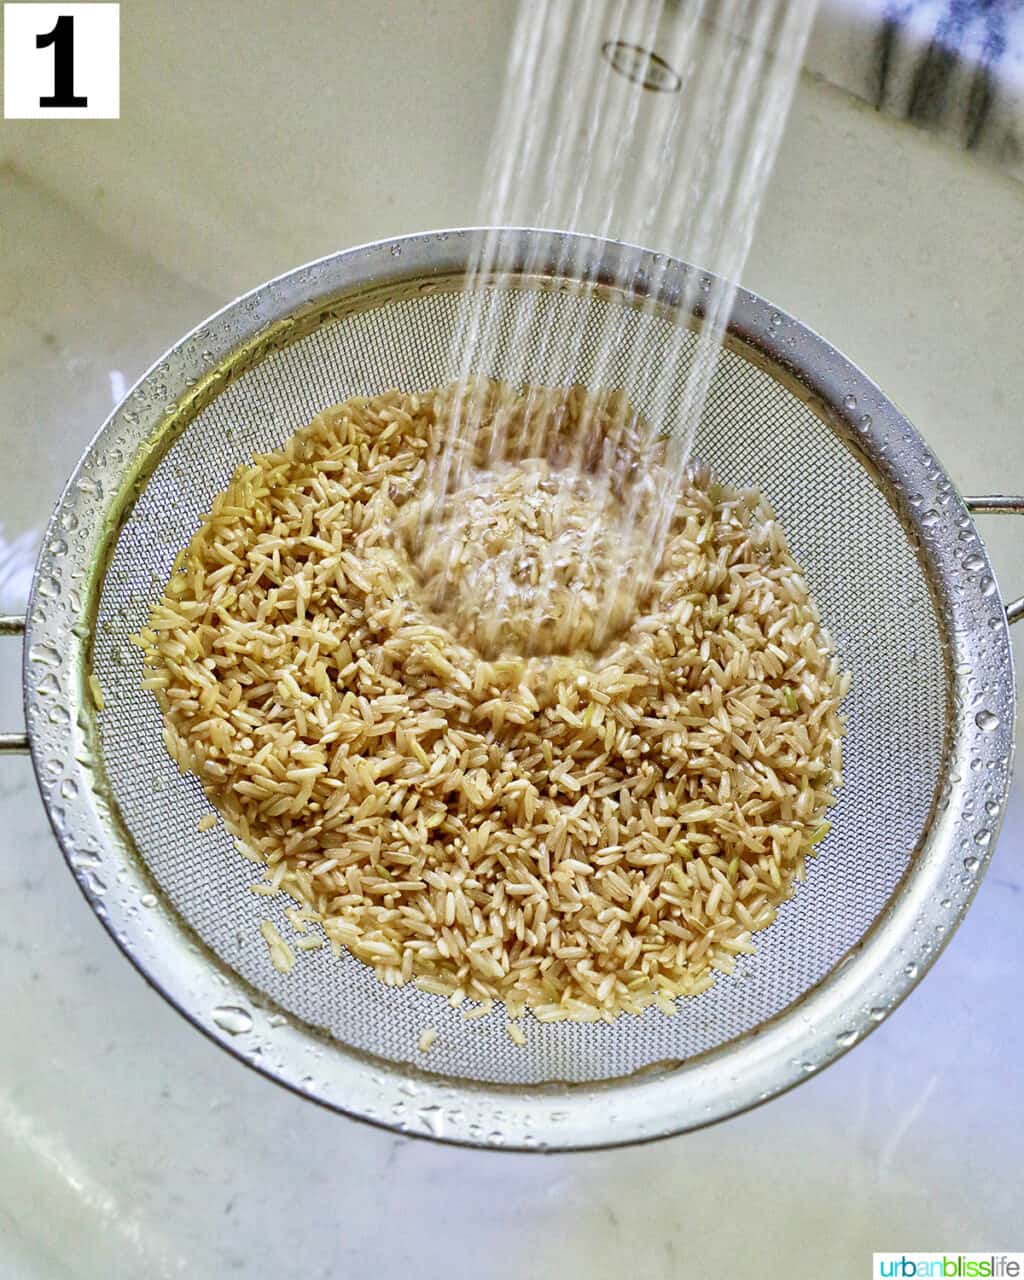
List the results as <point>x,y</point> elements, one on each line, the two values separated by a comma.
<point>76,68</point>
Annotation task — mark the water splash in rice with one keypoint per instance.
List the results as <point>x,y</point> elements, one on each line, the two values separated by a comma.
<point>649,121</point>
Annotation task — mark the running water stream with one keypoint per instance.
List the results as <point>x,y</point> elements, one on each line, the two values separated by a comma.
<point>654,122</point>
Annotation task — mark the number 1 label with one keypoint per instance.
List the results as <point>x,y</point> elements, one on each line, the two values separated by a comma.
<point>61,61</point>
<point>62,37</point>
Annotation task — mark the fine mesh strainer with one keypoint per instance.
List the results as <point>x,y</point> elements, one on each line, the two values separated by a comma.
<point>891,552</point>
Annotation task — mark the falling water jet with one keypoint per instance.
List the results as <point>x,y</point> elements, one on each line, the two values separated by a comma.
<point>652,121</point>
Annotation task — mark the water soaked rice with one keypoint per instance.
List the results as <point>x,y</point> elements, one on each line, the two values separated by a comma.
<point>584,824</point>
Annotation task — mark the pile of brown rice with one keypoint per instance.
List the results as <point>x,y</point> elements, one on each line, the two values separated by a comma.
<point>583,823</point>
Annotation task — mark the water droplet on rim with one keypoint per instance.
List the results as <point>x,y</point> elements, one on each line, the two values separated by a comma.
<point>987,721</point>
<point>432,1119</point>
<point>232,1019</point>
<point>93,883</point>
<point>49,686</point>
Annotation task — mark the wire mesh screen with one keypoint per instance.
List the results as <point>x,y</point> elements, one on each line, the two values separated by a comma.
<point>859,563</point>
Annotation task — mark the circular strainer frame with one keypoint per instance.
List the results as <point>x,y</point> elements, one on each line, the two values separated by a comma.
<point>866,984</point>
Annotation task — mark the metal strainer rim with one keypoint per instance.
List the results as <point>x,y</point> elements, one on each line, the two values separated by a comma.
<point>866,985</point>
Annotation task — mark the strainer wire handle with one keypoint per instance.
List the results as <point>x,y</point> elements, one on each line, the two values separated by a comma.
<point>994,505</point>
<point>12,743</point>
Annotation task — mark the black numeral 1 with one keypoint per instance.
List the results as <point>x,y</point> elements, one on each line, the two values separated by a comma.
<point>62,37</point>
